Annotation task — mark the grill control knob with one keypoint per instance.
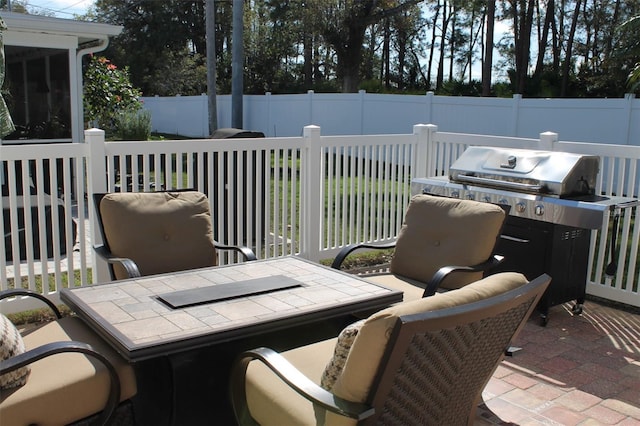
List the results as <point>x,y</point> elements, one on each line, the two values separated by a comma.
<point>455,194</point>
<point>539,210</point>
<point>521,207</point>
<point>471,196</point>
<point>486,199</point>
<point>503,201</point>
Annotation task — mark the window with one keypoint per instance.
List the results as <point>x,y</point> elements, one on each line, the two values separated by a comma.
<point>38,92</point>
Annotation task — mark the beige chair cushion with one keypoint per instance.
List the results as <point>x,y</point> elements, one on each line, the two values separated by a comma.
<point>412,289</point>
<point>271,402</point>
<point>367,350</point>
<point>439,231</point>
<point>160,231</point>
<point>11,344</point>
<point>65,387</point>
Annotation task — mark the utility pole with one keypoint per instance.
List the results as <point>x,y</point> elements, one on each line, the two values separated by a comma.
<point>210,17</point>
<point>237,64</point>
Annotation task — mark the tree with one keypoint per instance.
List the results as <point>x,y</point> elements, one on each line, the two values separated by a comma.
<point>632,48</point>
<point>152,29</point>
<point>343,25</point>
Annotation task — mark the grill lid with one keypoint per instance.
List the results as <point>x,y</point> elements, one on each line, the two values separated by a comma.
<point>559,174</point>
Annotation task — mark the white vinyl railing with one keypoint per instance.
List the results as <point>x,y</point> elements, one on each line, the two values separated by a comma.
<point>306,196</point>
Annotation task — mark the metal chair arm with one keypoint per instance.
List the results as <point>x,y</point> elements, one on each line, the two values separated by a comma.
<point>295,379</point>
<point>129,265</point>
<point>55,348</point>
<point>246,252</point>
<point>4,294</point>
<point>443,272</point>
<point>339,259</point>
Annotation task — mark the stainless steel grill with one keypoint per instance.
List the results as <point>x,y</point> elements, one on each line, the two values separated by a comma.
<point>554,187</point>
<point>552,209</point>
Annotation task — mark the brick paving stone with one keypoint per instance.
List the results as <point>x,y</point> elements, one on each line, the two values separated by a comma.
<point>496,387</point>
<point>564,416</point>
<point>624,407</point>
<point>629,421</point>
<point>520,381</point>
<point>508,412</point>
<point>559,364</point>
<point>577,377</point>
<point>523,399</point>
<point>631,396</point>
<point>578,400</point>
<point>546,392</point>
<point>602,388</point>
<point>604,415</point>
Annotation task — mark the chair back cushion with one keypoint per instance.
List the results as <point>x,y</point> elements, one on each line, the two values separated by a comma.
<point>11,344</point>
<point>160,231</point>
<point>356,378</point>
<point>439,231</point>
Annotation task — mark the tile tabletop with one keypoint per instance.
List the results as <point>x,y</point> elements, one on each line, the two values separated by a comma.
<point>131,315</point>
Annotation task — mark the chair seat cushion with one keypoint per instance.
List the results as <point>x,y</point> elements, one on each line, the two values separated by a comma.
<point>159,231</point>
<point>412,289</point>
<point>271,401</point>
<point>65,387</point>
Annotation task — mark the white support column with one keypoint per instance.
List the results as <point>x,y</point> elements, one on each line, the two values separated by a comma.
<point>312,194</point>
<point>420,166</point>
<point>97,176</point>
<point>431,152</point>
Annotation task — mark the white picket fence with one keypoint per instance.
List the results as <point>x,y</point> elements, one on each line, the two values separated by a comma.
<point>308,196</point>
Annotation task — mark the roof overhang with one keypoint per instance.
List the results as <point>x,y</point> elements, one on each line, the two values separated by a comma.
<point>85,32</point>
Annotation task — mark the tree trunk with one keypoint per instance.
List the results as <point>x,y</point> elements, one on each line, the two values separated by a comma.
<point>566,68</point>
<point>487,64</point>
<point>452,40</point>
<point>522,22</point>
<point>433,43</point>
<point>385,54</point>
<point>210,11</point>
<point>445,24</point>
<point>542,43</point>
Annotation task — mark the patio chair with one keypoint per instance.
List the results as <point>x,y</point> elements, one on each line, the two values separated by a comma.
<point>444,243</point>
<point>61,373</point>
<point>148,233</point>
<point>423,362</point>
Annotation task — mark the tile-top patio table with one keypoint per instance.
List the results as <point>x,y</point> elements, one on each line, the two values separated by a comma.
<point>159,315</point>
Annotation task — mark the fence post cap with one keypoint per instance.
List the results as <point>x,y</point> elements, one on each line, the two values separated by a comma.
<point>93,131</point>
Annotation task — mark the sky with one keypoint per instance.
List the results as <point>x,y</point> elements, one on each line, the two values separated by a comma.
<point>60,8</point>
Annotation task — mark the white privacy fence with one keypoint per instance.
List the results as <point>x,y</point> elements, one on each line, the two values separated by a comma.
<point>608,121</point>
<point>308,195</point>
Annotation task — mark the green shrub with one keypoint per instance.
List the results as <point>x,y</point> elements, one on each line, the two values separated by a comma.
<point>132,125</point>
<point>107,92</point>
